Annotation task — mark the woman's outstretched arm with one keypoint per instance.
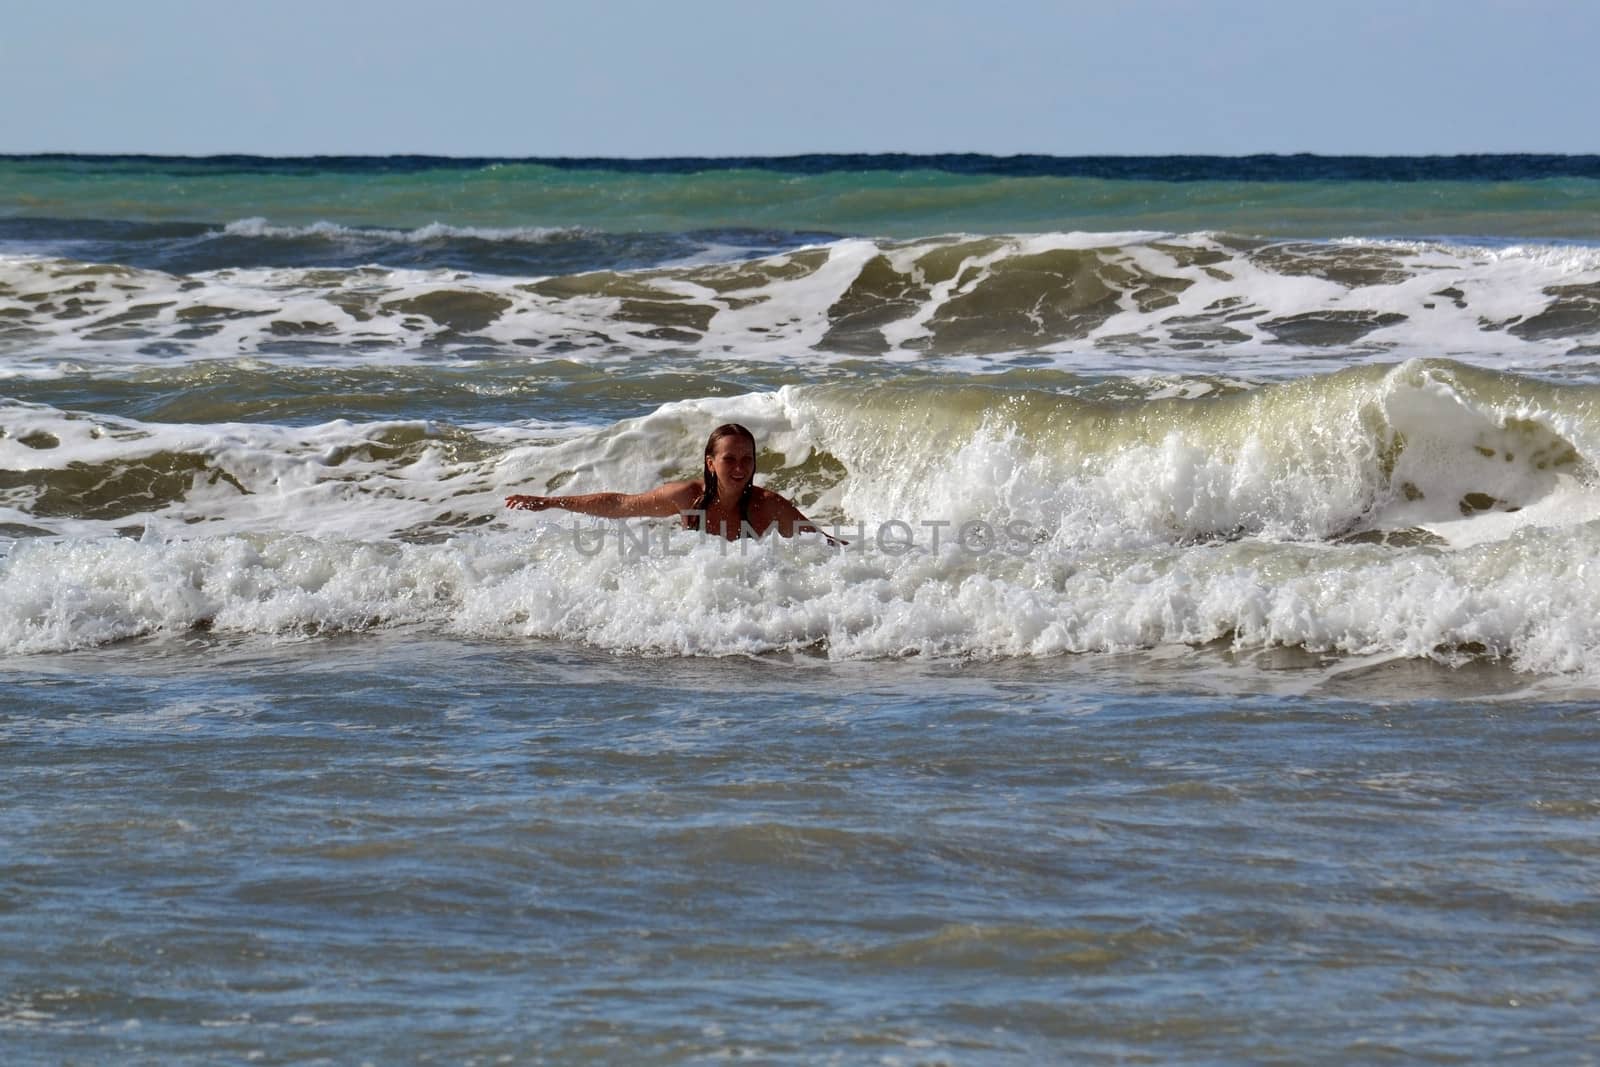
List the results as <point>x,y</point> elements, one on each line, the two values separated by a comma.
<point>669,499</point>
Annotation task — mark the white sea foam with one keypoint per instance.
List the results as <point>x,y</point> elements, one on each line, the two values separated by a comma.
<point>1098,303</point>
<point>1431,445</point>
<point>1565,256</point>
<point>1526,600</point>
<point>1471,505</point>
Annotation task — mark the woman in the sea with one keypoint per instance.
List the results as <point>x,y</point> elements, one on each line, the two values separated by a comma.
<point>726,497</point>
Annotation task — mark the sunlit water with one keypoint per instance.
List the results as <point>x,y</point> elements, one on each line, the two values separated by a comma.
<point>1273,738</point>
<point>399,847</point>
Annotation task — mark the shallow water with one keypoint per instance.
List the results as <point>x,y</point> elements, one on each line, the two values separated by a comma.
<point>412,847</point>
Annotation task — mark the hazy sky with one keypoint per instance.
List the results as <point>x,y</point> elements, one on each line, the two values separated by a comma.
<point>719,77</point>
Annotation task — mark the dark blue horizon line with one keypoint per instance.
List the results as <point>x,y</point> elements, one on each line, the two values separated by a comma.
<point>1173,168</point>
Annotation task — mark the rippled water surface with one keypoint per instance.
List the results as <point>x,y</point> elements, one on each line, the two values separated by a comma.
<point>403,848</point>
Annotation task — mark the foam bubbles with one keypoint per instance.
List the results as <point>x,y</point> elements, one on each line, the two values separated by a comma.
<point>1107,303</point>
<point>1524,600</point>
<point>1422,445</point>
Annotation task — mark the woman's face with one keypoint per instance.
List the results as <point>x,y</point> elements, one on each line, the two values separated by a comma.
<point>733,461</point>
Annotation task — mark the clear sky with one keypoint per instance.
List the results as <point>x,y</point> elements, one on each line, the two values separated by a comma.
<point>752,77</point>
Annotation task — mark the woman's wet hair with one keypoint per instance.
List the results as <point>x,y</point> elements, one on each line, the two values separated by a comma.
<point>709,495</point>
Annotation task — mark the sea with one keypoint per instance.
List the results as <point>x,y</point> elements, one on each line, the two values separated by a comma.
<point>1209,673</point>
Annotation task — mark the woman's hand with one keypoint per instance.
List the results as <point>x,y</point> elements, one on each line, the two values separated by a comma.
<point>530,503</point>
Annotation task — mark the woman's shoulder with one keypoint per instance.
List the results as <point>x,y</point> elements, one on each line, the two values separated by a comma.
<point>689,491</point>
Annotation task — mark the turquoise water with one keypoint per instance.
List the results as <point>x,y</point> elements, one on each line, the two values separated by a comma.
<point>902,197</point>
<point>1261,725</point>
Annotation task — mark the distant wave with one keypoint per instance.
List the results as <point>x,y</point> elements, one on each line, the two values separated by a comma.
<point>437,231</point>
<point>1100,301</point>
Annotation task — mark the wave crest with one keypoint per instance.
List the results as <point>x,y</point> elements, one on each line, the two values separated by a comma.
<point>1099,302</point>
<point>435,231</point>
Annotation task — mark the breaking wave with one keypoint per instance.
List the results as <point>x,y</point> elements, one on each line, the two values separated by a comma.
<point>1427,508</point>
<point>1103,302</point>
